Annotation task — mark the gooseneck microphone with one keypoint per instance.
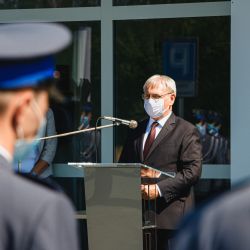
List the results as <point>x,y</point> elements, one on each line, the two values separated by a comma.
<point>132,124</point>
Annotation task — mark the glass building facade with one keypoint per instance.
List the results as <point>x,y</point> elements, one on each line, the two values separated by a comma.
<point>117,45</point>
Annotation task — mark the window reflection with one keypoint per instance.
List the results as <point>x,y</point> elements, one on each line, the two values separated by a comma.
<point>78,73</point>
<point>215,150</point>
<point>215,146</point>
<point>89,142</point>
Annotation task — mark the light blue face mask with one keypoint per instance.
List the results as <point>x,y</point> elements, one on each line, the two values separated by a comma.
<point>85,121</point>
<point>24,146</point>
<point>213,130</point>
<point>202,129</point>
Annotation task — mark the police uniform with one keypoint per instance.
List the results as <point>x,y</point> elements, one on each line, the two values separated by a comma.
<point>31,216</point>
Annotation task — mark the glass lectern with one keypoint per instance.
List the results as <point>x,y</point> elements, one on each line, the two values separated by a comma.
<point>118,215</point>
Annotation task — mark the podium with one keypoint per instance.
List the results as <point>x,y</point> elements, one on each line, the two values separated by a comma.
<point>114,207</point>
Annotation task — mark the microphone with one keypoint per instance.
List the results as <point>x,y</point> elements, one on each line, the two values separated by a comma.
<point>132,124</point>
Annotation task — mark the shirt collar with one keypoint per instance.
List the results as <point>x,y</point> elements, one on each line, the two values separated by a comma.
<point>5,154</point>
<point>162,121</point>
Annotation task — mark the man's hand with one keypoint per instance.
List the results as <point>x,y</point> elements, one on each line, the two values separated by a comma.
<point>40,166</point>
<point>145,172</point>
<point>149,192</point>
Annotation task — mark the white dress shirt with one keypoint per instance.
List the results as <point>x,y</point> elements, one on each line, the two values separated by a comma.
<point>6,154</point>
<point>160,125</point>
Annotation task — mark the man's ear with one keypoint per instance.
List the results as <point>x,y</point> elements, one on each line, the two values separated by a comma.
<point>172,98</point>
<point>21,101</point>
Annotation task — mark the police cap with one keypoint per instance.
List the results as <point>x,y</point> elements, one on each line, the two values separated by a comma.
<point>26,53</point>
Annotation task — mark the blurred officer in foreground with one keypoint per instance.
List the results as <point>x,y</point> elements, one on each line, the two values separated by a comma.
<point>221,224</point>
<point>31,216</point>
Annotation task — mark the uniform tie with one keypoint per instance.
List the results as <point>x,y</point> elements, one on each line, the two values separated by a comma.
<point>150,139</point>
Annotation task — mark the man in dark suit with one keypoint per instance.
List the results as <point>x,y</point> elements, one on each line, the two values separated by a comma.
<point>170,144</point>
<point>31,216</point>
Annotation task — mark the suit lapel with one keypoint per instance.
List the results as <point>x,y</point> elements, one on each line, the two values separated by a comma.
<point>163,133</point>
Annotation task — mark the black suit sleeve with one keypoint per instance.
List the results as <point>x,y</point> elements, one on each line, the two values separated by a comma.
<point>189,167</point>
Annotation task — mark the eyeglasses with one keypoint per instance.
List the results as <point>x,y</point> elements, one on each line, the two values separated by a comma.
<point>153,96</point>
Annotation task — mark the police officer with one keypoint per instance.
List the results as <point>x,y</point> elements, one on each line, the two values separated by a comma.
<point>31,216</point>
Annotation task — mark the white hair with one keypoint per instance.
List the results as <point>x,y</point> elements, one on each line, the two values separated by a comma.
<point>157,80</point>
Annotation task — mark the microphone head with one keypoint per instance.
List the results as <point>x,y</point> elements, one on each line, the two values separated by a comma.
<point>133,124</point>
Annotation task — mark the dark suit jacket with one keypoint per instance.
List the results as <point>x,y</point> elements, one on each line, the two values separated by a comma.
<point>177,149</point>
<point>33,217</point>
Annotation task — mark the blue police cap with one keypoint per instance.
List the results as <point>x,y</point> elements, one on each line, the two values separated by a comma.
<point>26,52</point>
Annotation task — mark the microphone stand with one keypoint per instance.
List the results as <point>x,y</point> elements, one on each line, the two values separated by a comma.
<point>79,131</point>
<point>117,123</point>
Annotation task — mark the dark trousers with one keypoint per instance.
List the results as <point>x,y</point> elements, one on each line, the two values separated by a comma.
<point>164,239</point>
<point>158,239</point>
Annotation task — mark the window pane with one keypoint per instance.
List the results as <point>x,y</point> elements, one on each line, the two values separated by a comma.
<point>147,2</point>
<point>142,50</point>
<point>28,4</point>
<point>78,72</point>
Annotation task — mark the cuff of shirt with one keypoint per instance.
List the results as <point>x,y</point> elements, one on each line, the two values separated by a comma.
<point>159,191</point>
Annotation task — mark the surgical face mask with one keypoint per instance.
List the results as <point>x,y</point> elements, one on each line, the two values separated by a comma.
<point>24,146</point>
<point>202,129</point>
<point>84,120</point>
<point>154,108</point>
<point>212,129</point>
